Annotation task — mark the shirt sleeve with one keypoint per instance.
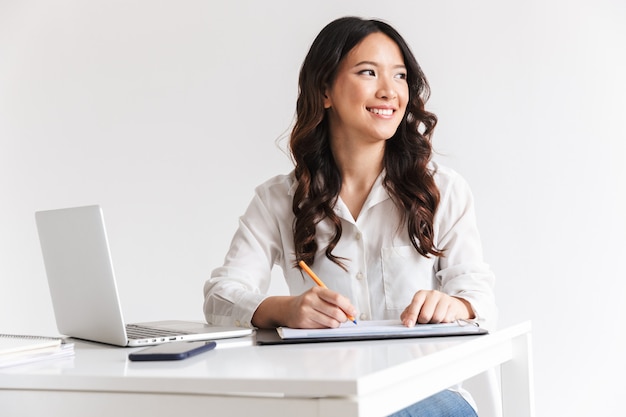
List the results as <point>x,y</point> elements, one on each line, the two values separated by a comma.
<point>462,271</point>
<point>235,290</point>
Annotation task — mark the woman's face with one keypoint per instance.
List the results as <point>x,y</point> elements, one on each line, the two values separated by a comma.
<point>368,98</point>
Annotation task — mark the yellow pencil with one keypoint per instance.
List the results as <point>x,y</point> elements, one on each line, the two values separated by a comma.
<point>318,281</point>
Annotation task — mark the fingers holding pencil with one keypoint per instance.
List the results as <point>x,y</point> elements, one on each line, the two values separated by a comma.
<point>331,297</point>
<point>316,308</point>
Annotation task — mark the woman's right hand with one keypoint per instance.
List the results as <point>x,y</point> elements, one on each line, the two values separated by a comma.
<point>316,308</point>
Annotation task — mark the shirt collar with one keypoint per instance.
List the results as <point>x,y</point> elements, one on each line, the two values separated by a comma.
<point>377,195</point>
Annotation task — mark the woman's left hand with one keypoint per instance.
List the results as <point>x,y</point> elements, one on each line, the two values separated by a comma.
<point>431,306</point>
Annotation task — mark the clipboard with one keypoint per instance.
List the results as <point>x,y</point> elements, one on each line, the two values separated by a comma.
<point>368,330</point>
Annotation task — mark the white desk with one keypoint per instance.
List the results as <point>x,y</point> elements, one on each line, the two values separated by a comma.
<point>368,378</point>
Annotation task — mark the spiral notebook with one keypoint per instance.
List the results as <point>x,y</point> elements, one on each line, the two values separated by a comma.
<point>11,344</point>
<point>18,349</point>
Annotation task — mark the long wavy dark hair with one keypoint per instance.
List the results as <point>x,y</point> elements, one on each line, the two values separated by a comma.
<point>408,179</point>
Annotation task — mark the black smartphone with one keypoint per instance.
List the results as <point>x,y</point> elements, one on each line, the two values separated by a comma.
<point>171,351</point>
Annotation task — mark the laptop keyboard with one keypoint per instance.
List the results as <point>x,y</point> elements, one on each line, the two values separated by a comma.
<point>135,331</point>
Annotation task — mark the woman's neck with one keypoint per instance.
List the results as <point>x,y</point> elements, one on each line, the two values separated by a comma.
<point>359,168</point>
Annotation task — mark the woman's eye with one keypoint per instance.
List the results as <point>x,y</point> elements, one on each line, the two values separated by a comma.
<point>401,76</point>
<point>369,72</point>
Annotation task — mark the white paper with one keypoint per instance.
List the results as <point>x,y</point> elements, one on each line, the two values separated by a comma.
<point>378,328</point>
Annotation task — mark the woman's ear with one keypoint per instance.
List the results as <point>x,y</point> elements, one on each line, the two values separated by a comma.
<point>327,100</point>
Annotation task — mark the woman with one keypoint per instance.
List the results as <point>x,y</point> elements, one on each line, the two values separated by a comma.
<point>392,233</point>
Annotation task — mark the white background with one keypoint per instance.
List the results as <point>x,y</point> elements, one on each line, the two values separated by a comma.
<point>168,114</point>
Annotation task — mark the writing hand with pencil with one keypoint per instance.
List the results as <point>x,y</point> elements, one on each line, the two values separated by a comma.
<point>333,305</point>
<point>317,308</point>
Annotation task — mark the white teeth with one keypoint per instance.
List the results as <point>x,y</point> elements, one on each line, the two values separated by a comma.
<point>384,112</point>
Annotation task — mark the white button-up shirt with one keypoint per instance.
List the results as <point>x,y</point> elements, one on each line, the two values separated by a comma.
<point>384,270</point>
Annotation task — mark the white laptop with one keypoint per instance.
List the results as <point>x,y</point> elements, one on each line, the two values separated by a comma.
<point>84,292</point>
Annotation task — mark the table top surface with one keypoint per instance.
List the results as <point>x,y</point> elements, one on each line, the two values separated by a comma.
<point>237,365</point>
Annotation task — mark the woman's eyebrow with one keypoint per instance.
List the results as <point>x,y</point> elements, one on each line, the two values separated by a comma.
<point>375,64</point>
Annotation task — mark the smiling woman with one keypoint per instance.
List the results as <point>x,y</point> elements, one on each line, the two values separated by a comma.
<point>365,105</point>
<point>392,234</point>
<point>367,100</point>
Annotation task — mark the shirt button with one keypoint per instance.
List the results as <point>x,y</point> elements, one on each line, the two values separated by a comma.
<point>363,316</point>
<point>359,276</point>
<point>358,236</point>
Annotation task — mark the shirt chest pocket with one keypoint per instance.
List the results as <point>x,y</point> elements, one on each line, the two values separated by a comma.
<point>404,273</point>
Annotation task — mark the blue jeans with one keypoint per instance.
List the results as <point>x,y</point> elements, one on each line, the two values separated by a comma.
<point>444,404</point>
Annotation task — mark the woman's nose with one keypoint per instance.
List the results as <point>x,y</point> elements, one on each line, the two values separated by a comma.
<point>386,90</point>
